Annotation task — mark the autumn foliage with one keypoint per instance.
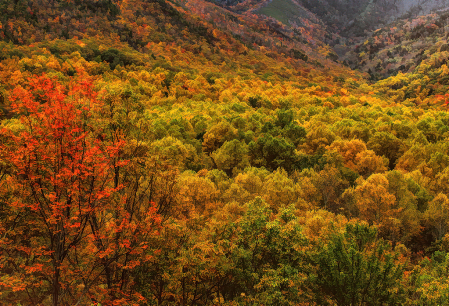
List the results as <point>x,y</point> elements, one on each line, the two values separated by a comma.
<point>181,153</point>
<point>66,231</point>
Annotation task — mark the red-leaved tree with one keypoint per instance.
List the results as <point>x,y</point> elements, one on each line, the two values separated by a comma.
<point>68,234</point>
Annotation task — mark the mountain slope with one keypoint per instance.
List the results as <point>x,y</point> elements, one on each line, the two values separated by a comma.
<point>164,153</point>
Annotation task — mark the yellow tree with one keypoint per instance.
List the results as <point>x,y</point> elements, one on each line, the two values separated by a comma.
<point>437,215</point>
<point>217,135</point>
<point>367,163</point>
<point>375,204</point>
<point>349,150</point>
<point>358,158</point>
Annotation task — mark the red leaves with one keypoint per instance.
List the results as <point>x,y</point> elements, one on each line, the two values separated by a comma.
<point>67,197</point>
<point>443,97</point>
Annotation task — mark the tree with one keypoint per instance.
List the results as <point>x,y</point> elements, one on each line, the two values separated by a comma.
<point>331,183</point>
<point>279,190</point>
<point>272,152</point>
<point>437,215</point>
<point>358,158</point>
<point>388,145</point>
<point>267,255</point>
<point>317,139</point>
<point>66,231</point>
<point>197,195</point>
<point>356,268</point>
<point>428,282</point>
<point>217,135</point>
<point>231,157</point>
<point>367,163</point>
<point>374,202</point>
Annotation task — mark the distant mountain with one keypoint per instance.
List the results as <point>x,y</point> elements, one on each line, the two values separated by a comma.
<point>348,18</point>
<point>412,8</point>
<point>402,46</point>
<point>351,17</point>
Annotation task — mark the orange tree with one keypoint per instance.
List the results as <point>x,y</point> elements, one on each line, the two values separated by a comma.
<point>67,234</point>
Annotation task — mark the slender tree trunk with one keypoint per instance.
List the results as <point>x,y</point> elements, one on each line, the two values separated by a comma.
<point>161,288</point>
<point>56,285</point>
<point>184,298</point>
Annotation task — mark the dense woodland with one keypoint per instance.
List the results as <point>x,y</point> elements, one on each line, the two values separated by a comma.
<point>180,153</point>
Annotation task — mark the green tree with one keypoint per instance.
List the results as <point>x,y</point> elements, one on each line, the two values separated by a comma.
<point>267,256</point>
<point>356,268</point>
<point>231,156</point>
<point>428,282</point>
<point>388,145</point>
<point>272,152</point>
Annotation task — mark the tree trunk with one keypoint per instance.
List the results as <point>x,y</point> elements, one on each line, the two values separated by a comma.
<point>56,286</point>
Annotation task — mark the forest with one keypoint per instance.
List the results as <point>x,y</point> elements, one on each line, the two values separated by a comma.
<point>159,152</point>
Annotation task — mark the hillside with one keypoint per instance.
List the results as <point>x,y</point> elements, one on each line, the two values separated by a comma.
<point>401,46</point>
<point>347,18</point>
<point>193,153</point>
